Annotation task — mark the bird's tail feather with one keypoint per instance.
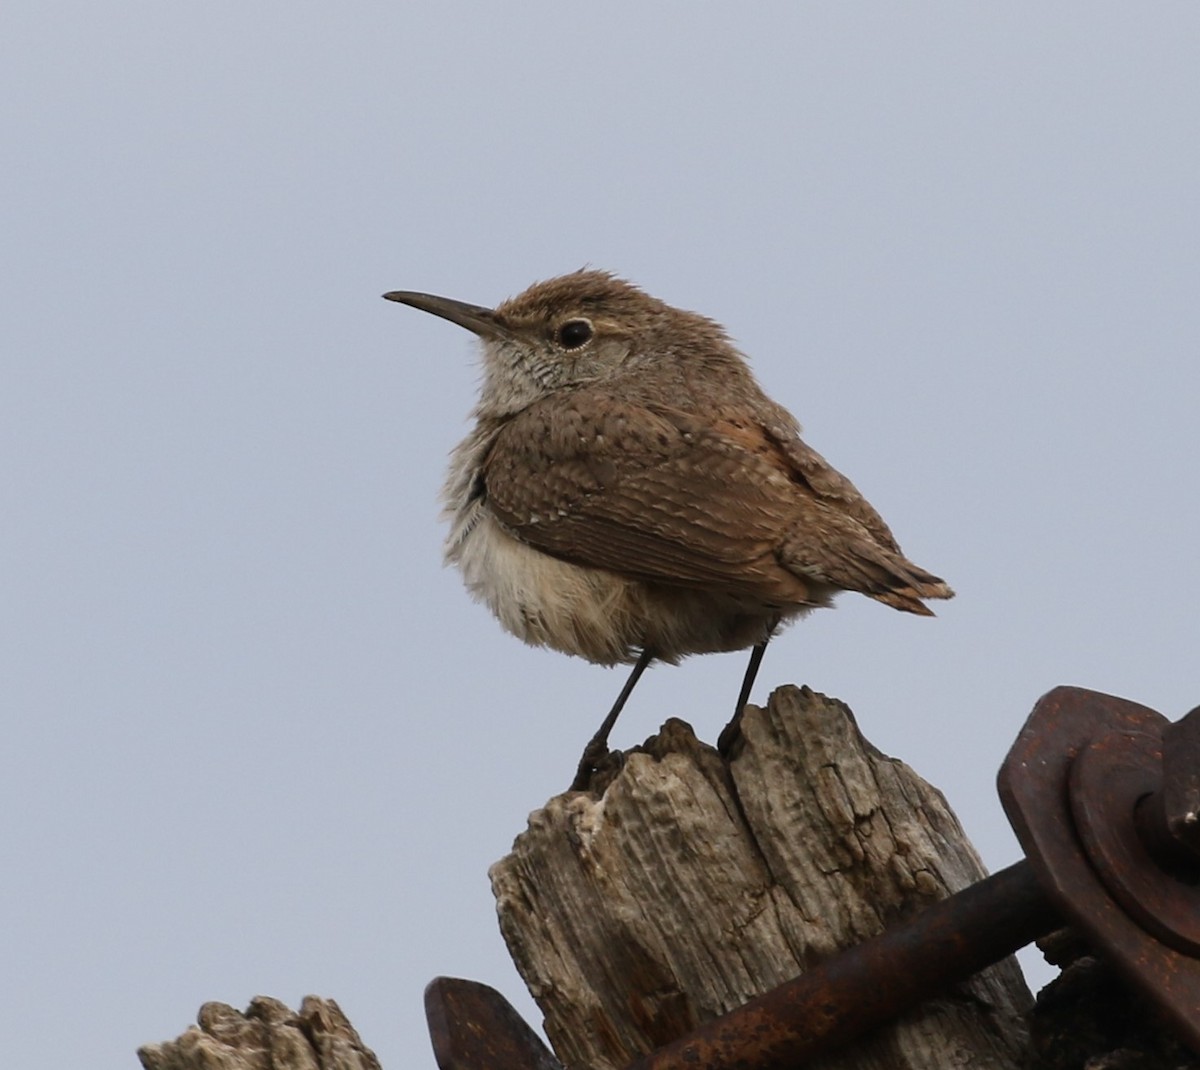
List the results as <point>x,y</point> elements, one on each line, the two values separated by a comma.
<point>908,585</point>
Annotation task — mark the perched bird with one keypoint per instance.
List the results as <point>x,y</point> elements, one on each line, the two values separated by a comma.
<point>630,494</point>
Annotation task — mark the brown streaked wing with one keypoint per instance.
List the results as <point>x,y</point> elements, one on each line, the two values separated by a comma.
<point>650,494</point>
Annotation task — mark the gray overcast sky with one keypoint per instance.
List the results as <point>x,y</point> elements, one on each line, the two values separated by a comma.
<point>256,740</point>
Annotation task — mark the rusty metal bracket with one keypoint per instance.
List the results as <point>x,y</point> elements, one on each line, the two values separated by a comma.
<point>1104,820</point>
<point>1104,796</point>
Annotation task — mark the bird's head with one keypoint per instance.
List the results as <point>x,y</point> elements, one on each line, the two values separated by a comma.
<point>585,327</point>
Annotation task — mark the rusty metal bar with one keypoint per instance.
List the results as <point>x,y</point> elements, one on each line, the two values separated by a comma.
<point>863,987</point>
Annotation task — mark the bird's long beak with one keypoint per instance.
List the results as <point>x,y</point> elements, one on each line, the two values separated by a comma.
<point>475,318</point>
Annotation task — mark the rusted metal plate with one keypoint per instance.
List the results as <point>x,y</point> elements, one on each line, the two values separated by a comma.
<point>1035,787</point>
<point>473,1027</point>
<point>1110,777</point>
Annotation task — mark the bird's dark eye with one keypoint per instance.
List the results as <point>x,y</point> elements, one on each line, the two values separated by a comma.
<point>574,333</point>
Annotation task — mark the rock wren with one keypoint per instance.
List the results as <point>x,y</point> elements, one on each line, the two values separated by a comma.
<point>630,494</point>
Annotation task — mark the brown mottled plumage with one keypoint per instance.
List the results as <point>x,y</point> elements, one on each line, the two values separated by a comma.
<point>629,493</point>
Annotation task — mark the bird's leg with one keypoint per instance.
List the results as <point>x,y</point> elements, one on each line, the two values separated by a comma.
<point>756,656</point>
<point>729,732</point>
<point>597,746</point>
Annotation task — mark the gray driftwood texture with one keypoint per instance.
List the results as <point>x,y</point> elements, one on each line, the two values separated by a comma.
<point>697,880</point>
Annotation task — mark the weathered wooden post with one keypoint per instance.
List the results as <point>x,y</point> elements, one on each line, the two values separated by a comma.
<point>696,880</point>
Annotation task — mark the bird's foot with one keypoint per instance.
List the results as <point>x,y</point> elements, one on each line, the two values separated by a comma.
<point>730,734</point>
<point>593,754</point>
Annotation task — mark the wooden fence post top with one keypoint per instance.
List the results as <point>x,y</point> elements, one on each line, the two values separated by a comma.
<point>696,880</point>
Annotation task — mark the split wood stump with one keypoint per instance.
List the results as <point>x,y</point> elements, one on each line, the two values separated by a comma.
<point>689,881</point>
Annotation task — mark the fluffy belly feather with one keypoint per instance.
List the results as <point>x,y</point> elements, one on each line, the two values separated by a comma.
<point>596,614</point>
